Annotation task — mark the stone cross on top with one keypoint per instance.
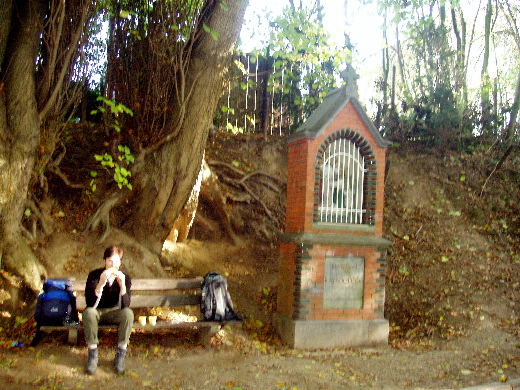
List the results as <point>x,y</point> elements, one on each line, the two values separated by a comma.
<point>350,77</point>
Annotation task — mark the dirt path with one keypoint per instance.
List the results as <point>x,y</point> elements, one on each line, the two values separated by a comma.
<point>239,362</point>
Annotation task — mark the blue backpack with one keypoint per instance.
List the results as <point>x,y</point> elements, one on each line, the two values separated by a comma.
<point>56,306</point>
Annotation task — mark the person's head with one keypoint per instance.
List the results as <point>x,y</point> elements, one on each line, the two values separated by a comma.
<point>113,256</point>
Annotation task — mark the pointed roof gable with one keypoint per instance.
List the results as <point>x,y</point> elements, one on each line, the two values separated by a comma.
<point>331,106</point>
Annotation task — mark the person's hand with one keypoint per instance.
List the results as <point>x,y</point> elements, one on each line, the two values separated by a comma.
<point>120,277</point>
<point>104,276</point>
<point>103,280</point>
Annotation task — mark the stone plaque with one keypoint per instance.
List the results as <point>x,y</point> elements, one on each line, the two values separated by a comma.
<point>343,284</point>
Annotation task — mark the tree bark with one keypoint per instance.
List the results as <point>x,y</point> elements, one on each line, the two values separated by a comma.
<point>485,84</point>
<point>400,61</point>
<point>510,129</point>
<point>461,85</point>
<point>383,106</point>
<point>166,175</point>
<point>19,133</point>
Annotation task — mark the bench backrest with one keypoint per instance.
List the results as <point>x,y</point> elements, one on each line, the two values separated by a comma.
<point>155,292</point>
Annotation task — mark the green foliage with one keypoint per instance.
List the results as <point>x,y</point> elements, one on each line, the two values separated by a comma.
<point>444,101</point>
<point>226,109</point>
<point>433,109</point>
<point>118,165</point>
<point>223,5</point>
<point>302,66</point>
<point>114,108</point>
<point>214,33</point>
<point>305,63</point>
<point>237,129</point>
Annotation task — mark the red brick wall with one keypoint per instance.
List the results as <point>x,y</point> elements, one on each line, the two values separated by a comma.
<point>372,302</point>
<point>301,284</point>
<point>297,191</point>
<point>285,299</point>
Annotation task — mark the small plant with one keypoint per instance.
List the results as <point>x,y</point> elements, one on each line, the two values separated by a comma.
<point>115,110</point>
<point>234,129</point>
<point>403,270</point>
<point>120,165</point>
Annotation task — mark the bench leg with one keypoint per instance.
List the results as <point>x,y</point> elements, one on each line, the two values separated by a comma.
<point>206,334</point>
<point>73,336</point>
<point>37,337</point>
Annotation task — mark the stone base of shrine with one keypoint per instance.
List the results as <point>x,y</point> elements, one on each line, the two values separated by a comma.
<point>302,334</point>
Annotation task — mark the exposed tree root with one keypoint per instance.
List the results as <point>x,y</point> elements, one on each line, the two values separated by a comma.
<point>245,178</point>
<point>212,193</point>
<point>207,187</point>
<point>36,217</point>
<point>242,189</point>
<point>54,167</point>
<point>102,216</point>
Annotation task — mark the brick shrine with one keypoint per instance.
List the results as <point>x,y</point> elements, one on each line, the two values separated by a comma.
<point>331,289</point>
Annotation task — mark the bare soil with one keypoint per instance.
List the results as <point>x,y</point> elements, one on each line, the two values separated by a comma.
<point>453,294</point>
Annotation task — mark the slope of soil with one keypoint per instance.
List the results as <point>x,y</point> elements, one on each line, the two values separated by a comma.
<point>453,289</point>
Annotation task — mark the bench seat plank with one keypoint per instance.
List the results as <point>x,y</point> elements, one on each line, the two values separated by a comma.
<point>152,284</point>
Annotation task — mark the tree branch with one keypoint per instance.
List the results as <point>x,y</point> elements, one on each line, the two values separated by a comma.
<point>498,165</point>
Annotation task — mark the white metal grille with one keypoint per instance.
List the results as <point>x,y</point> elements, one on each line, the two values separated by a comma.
<point>341,185</point>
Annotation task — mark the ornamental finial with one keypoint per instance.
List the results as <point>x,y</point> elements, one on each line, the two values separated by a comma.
<point>350,77</point>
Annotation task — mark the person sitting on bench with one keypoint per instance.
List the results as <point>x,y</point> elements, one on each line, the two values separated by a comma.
<point>107,296</point>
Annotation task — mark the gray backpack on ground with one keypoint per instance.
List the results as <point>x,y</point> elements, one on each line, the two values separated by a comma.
<point>216,304</point>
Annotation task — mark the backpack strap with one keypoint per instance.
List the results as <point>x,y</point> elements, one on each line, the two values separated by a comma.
<point>213,299</point>
<point>99,298</point>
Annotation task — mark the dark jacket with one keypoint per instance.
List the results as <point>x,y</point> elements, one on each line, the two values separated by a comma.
<point>110,295</point>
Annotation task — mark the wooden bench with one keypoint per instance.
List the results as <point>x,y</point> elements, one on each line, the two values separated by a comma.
<point>146,294</point>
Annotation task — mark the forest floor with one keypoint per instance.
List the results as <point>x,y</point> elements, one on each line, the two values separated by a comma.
<point>453,293</point>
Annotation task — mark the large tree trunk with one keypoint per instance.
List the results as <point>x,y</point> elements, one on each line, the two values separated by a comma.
<point>19,131</point>
<point>165,177</point>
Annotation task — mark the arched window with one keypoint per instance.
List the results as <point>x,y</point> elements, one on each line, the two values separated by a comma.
<point>341,184</point>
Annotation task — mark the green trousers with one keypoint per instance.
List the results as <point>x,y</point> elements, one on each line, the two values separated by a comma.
<point>93,317</point>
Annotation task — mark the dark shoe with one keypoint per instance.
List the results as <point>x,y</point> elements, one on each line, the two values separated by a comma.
<point>92,361</point>
<point>119,361</point>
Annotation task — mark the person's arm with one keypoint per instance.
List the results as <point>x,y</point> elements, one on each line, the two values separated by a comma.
<point>90,288</point>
